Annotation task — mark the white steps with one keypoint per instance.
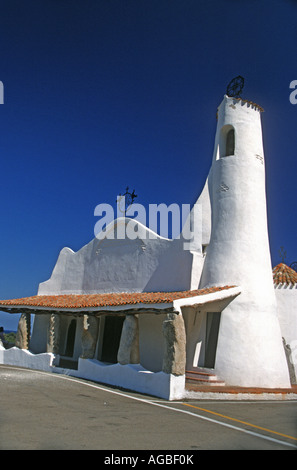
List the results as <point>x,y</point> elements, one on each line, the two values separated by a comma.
<point>202,377</point>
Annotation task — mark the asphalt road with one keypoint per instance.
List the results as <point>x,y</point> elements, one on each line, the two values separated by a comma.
<point>42,411</point>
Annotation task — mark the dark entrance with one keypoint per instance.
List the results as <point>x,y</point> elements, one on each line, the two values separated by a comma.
<point>70,339</point>
<point>211,339</point>
<point>111,339</point>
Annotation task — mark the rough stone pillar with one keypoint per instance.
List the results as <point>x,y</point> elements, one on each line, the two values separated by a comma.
<point>174,361</point>
<point>290,363</point>
<point>23,334</point>
<point>89,336</point>
<point>53,334</point>
<point>128,352</point>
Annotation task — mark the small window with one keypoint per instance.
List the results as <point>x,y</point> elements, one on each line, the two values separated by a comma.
<point>230,143</point>
<point>227,141</point>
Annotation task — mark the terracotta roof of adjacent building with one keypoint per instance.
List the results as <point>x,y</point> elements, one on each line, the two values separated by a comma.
<point>283,274</point>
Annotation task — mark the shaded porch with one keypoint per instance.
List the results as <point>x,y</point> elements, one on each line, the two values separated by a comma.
<point>147,330</point>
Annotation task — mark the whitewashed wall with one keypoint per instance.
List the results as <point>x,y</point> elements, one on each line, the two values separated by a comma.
<point>121,266</point>
<point>286,297</point>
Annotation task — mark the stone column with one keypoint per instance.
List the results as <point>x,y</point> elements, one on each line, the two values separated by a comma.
<point>89,336</point>
<point>174,360</point>
<point>128,352</point>
<point>23,334</point>
<point>53,334</point>
<point>290,363</point>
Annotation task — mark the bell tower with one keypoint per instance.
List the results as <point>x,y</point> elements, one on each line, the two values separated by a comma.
<point>249,351</point>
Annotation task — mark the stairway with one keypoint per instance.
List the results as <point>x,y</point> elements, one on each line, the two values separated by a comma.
<point>202,377</point>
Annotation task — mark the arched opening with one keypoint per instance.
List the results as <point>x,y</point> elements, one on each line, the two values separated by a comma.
<point>70,339</point>
<point>230,143</point>
<point>227,141</point>
<point>111,338</point>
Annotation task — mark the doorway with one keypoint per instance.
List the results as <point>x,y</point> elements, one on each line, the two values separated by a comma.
<point>111,338</point>
<point>69,350</point>
<point>211,339</point>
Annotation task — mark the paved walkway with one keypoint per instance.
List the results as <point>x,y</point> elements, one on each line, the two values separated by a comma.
<point>235,392</point>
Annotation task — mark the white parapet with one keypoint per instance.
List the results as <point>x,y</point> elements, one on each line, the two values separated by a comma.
<point>24,358</point>
<point>132,377</point>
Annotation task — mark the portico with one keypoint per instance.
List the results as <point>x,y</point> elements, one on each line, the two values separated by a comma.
<point>145,329</point>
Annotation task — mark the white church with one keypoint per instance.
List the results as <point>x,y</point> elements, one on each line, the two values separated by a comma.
<point>147,315</point>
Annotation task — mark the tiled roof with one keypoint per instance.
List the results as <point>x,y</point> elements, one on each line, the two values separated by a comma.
<point>81,301</point>
<point>282,274</point>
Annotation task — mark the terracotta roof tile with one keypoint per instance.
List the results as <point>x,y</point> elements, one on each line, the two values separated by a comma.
<point>103,300</point>
<point>282,274</point>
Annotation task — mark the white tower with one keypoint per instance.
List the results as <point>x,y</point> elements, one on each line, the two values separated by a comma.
<point>249,350</point>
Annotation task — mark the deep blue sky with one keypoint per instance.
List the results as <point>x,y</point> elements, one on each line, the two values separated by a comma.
<point>101,94</point>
